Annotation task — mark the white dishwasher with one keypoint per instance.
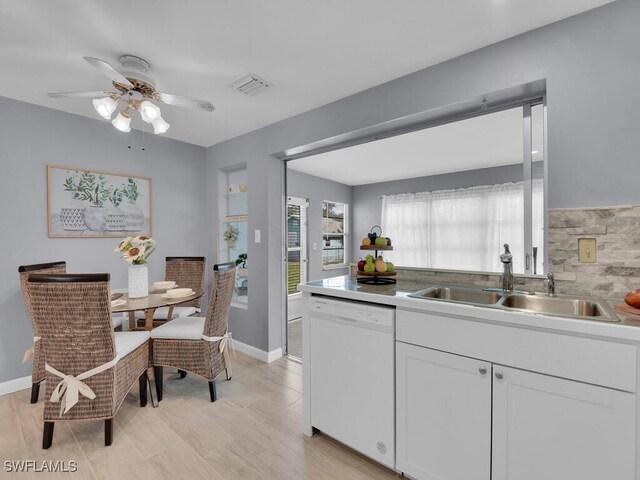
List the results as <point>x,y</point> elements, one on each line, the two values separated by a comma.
<point>352,370</point>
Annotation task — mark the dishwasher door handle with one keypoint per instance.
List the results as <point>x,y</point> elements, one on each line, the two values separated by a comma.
<point>346,319</point>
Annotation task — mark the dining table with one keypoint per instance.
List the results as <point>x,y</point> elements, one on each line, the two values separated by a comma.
<point>121,303</point>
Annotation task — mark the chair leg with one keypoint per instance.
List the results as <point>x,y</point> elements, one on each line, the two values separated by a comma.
<point>182,373</point>
<point>108,432</point>
<point>142,386</point>
<point>35,392</point>
<point>226,372</point>
<point>212,390</point>
<point>47,434</point>
<point>157,371</point>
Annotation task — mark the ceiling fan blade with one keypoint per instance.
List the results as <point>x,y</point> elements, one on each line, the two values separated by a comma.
<point>79,94</point>
<point>185,102</point>
<point>109,71</point>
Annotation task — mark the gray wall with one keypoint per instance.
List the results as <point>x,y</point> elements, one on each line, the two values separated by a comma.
<point>367,205</point>
<point>591,66</point>
<point>32,137</point>
<point>317,190</point>
<point>265,209</point>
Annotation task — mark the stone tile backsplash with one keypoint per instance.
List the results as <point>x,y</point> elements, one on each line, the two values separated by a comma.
<point>617,233</point>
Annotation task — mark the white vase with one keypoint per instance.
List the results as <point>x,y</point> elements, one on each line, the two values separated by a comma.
<point>231,243</point>
<point>138,281</point>
<point>134,217</point>
<point>94,218</point>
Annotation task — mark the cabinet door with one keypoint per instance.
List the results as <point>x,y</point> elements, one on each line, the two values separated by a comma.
<point>555,429</point>
<point>443,415</point>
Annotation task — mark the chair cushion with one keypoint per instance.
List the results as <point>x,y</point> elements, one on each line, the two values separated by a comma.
<point>183,328</point>
<point>162,312</point>
<point>127,342</point>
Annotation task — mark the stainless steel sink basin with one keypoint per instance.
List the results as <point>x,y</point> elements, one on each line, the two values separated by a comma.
<point>563,306</point>
<point>454,293</point>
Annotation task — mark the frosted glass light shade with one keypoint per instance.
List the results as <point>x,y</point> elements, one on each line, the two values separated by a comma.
<point>160,126</point>
<point>105,107</point>
<point>122,122</point>
<point>149,112</point>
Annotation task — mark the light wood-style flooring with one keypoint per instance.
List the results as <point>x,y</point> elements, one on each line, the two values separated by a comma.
<point>251,432</point>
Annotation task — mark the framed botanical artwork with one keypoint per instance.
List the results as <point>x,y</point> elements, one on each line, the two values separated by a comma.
<point>91,204</point>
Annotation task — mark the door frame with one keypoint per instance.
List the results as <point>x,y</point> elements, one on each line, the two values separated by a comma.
<point>284,264</point>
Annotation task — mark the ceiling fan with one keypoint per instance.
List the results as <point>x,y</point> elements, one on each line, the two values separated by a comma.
<point>136,90</point>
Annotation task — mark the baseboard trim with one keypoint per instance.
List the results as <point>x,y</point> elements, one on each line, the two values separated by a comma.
<point>274,355</point>
<point>254,352</point>
<point>15,385</point>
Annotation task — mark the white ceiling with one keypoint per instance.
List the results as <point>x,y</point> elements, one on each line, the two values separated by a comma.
<point>487,141</point>
<point>312,52</point>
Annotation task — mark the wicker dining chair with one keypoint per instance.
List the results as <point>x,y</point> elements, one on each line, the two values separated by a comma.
<point>89,368</point>
<point>37,372</point>
<point>200,345</point>
<point>187,272</point>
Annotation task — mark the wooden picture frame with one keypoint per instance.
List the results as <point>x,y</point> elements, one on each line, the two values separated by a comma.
<point>83,203</point>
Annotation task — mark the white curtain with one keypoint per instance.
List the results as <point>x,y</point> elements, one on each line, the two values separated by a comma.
<point>461,229</point>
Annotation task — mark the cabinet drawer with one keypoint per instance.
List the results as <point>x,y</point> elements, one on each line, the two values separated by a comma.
<point>586,360</point>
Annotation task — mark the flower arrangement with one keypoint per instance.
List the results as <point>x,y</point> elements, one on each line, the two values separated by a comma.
<point>136,250</point>
<point>231,233</point>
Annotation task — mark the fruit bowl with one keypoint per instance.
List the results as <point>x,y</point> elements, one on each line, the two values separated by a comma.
<point>373,247</point>
<point>376,274</point>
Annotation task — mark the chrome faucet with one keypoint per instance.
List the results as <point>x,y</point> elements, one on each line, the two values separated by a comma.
<point>550,285</point>
<point>506,280</point>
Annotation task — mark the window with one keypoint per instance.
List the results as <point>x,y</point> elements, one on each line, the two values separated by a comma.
<point>462,229</point>
<point>334,233</point>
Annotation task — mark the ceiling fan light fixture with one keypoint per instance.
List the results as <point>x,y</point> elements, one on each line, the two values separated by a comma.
<point>160,126</point>
<point>149,112</point>
<point>122,121</point>
<point>105,107</point>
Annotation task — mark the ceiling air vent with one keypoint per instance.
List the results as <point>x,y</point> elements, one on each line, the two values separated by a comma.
<point>250,84</point>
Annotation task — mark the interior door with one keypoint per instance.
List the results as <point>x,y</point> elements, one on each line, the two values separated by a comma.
<point>443,415</point>
<point>296,270</point>
<point>551,428</point>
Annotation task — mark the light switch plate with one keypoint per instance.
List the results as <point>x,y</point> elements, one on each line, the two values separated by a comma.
<point>257,236</point>
<point>587,250</point>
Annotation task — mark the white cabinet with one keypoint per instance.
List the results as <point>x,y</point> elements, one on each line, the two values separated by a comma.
<point>455,422</point>
<point>443,415</point>
<point>551,428</point>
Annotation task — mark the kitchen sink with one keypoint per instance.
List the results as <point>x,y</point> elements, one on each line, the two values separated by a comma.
<point>563,306</point>
<point>454,293</point>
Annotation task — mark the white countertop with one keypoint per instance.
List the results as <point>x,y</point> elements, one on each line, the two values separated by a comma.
<point>347,288</point>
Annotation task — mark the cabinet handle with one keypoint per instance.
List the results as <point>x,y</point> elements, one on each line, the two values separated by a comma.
<point>483,370</point>
<point>499,375</point>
